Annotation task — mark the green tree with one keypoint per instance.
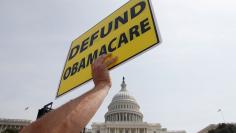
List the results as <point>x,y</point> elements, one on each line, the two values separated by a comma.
<point>11,130</point>
<point>224,128</point>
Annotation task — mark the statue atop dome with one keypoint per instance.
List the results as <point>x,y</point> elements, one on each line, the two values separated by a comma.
<point>123,85</point>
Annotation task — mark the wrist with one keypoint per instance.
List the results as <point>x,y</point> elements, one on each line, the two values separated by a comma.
<point>102,85</point>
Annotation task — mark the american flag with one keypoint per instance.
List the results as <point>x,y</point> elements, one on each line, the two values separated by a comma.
<point>26,108</point>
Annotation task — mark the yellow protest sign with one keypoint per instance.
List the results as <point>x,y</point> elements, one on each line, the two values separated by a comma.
<point>125,33</point>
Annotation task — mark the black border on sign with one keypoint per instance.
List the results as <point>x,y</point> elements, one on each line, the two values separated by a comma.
<point>141,52</point>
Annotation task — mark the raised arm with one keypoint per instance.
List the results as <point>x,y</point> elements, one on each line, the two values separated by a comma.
<point>73,116</point>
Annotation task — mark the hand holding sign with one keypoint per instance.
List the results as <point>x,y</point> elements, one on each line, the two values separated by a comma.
<point>127,32</point>
<point>100,69</point>
<point>75,114</point>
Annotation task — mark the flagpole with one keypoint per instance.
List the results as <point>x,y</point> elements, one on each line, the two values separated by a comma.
<point>222,115</point>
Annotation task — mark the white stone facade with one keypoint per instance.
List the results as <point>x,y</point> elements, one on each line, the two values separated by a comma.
<point>123,116</point>
<point>13,124</point>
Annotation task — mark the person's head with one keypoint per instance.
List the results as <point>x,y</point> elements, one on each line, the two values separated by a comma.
<point>224,128</point>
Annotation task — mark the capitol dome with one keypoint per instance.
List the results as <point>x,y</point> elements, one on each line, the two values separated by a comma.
<point>123,107</point>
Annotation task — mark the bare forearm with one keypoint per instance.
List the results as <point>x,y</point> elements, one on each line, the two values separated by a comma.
<point>73,116</point>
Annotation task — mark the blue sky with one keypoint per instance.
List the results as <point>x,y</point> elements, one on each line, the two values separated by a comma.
<point>181,83</point>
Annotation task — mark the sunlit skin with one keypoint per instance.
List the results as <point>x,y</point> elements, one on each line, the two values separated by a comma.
<point>73,116</point>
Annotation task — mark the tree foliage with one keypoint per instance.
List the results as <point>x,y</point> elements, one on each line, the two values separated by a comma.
<point>224,128</point>
<point>10,130</point>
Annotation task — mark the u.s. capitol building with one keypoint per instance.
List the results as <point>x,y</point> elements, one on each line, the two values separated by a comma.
<point>124,116</point>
